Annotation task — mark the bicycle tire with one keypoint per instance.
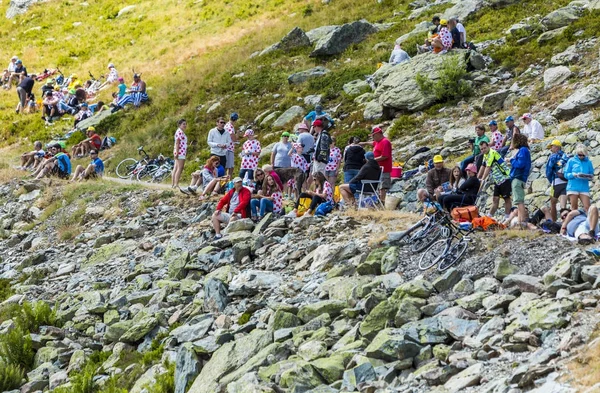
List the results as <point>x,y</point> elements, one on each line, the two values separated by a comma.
<point>426,239</point>
<point>146,172</point>
<point>406,237</point>
<point>125,168</point>
<point>161,174</point>
<point>433,254</point>
<point>453,255</point>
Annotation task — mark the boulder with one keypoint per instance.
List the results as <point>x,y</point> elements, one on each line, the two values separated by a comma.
<point>360,374</point>
<point>524,283</point>
<point>373,111</point>
<point>193,330</point>
<point>316,34</point>
<point>341,37</point>
<point>215,295</point>
<point>356,87</point>
<point>469,377</point>
<point>555,76</point>
<point>503,268</point>
<point>493,102</point>
<point>250,282</point>
<point>399,90</point>
<point>331,368</point>
<point>303,76</point>
<point>447,280</point>
<point>289,115</point>
<point>391,345</point>
<point>379,318</point>
<point>142,325</point>
<point>561,17</point>
<point>578,102</point>
<point>187,366</point>
<point>590,273</point>
<point>296,38</point>
<point>18,7</point>
<point>419,30</point>
<point>331,307</point>
<point>456,136</point>
<point>550,35</point>
<point>568,56</point>
<point>569,265</point>
<point>462,9</point>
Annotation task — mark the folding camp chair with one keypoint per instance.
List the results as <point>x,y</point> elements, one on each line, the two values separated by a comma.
<point>373,187</point>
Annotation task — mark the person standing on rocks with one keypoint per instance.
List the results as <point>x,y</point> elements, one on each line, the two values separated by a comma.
<point>497,137</point>
<point>519,172</point>
<point>533,129</point>
<point>554,173</point>
<point>437,177</point>
<point>322,148</point>
<point>511,130</point>
<point>476,152</point>
<point>250,152</point>
<point>279,155</point>
<point>579,171</point>
<point>230,128</point>
<point>382,148</point>
<point>179,152</point>
<point>494,163</point>
<point>235,203</point>
<point>333,165</point>
<point>218,140</point>
<point>307,141</point>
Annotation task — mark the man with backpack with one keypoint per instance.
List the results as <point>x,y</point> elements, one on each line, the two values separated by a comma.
<point>554,173</point>
<point>494,164</point>
<point>322,145</point>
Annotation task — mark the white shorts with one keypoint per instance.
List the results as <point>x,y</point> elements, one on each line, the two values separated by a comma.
<point>224,218</point>
<point>318,167</point>
<point>181,157</point>
<point>584,227</point>
<point>578,193</point>
<point>229,156</point>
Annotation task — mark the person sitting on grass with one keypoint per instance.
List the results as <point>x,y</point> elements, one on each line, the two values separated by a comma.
<point>50,106</point>
<point>135,95</point>
<point>581,225</point>
<point>93,141</point>
<point>270,200</point>
<point>369,171</point>
<point>8,72</point>
<point>58,165</point>
<point>211,182</point>
<point>94,170</point>
<point>83,114</point>
<point>235,203</point>
<point>466,194</point>
<point>30,158</point>
<point>323,193</point>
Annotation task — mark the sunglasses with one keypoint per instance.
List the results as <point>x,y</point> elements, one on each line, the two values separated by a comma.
<point>580,155</point>
<point>260,174</point>
<point>221,122</point>
<point>564,216</point>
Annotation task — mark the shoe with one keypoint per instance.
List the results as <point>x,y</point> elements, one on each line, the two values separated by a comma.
<point>291,214</point>
<point>217,237</point>
<point>594,251</point>
<point>184,190</point>
<point>192,190</point>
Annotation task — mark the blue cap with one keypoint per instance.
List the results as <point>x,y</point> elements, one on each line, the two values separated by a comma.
<point>492,123</point>
<point>369,155</point>
<point>509,118</point>
<point>234,116</point>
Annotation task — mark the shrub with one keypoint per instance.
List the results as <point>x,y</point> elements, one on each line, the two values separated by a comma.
<point>10,376</point>
<point>5,289</point>
<point>403,125</point>
<point>451,83</point>
<point>165,383</point>
<point>16,348</point>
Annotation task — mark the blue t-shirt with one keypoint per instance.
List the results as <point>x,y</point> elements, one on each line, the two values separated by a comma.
<point>122,89</point>
<point>220,171</point>
<point>99,169</point>
<point>64,163</point>
<point>312,115</point>
<point>575,222</point>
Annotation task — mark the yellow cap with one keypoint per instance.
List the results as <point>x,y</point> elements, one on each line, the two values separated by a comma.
<point>91,129</point>
<point>443,22</point>
<point>437,159</point>
<point>555,142</point>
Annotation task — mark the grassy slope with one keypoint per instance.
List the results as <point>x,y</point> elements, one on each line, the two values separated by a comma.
<point>189,51</point>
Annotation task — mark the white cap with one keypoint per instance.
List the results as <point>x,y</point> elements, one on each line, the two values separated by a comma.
<point>111,65</point>
<point>14,58</point>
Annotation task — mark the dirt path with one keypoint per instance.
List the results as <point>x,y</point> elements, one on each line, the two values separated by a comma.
<point>156,186</point>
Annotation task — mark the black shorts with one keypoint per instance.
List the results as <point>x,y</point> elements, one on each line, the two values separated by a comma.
<point>503,190</point>
<point>558,190</point>
<point>56,171</point>
<point>222,160</point>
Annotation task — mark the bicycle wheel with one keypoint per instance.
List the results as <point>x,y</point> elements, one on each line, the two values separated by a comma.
<point>146,172</point>
<point>454,254</point>
<point>406,237</point>
<point>426,238</point>
<point>125,168</point>
<point>433,254</point>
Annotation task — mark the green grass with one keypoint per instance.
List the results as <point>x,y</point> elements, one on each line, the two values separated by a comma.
<point>10,376</point>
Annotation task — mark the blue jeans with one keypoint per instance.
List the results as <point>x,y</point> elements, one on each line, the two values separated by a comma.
<point>64,107</point>
<point>504,150</point>
<point>465,162</point>
<point>266,206</point>
<point>349,174</point>
<point>250,174</point>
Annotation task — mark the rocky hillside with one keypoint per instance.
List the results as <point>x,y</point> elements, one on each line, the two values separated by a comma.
<point>124,291</point>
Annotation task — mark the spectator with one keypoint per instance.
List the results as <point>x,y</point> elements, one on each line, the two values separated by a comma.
<point>382,148</point>
<point>218,140</point>
<point>83,113</point>
<point>476,152</point>
<point>318,114</point>
<point>494,163</point>
<point>466,194</point>
<point>333,165</point>
<point>268,170</point>
<point>59,164</point>
<point>369,171</point>
<point>398,55</point>
<point>94,170</point>
<point>98,107</point>
<point>235,202</point>
<point>497,137</point>
<point>456,178</point>
<point>12,65</point>
<point>24,89</point>
<point>533,129</point>
<point>463,33</point>
<point>250,153</point>
<point>429,206</point>
<point>230,128</point>
<point>298,161</point>
<point>207,177</point>
<point>179,152</point>
<point>354,158</point>
<point>259,178</point>
<point>323,193</point>
<point>271,200</point>
<point>135,95</point>
<point>456,41</point>
<point>437,177</point>
<point>93,141</point>
<point>29,158</point>
<point>519,172</point>
<point>554,173</point>
<point>122,89</point>
<point>443,42</point>
<point>511,130</point>
<point>279,155</point>
<point>307,141</point>
<point>436,26</point>
<point>50,104</point>
<point>322,143</point>
<point>581,225</point>
<point>112,77</point>
<point>19,73</point>
<point>579,171</point>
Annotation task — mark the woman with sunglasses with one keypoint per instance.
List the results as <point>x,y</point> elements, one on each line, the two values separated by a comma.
<point>323,193</point>
<point>579,171</point>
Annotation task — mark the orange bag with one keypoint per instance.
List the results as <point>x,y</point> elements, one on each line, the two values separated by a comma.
<point>467,213</point>
<point>487,224</point>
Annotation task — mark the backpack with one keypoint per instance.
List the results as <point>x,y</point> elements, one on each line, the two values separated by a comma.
<point>324,208</point>
<point>322,147</point>
<point>487,224</point>
<point>467,213</point>
<point>303,206</point>
<point>563,162</point>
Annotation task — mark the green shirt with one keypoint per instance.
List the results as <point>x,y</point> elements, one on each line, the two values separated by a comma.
<point>499,171</point>
<point>478,140</point>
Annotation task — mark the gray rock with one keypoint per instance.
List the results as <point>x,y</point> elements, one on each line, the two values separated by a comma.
<point>447,280</point>
<point>294,39</point>
<point>578,102</point>
<point>361,374</point>
<point>18,7</point>
<point>373,111</point>
<point>316,34</point>
<point>126,10</point>
<point>419,30</point>
<point>289,115</point>
<point>555,76</point>
<point>493,102</point>
<point>356,87</point>
<point>250,282</point>
<point>456,136</point>
<point>270,118</point>
<point>194,329</point>
<point>569,56</point>
<point>466,378</point>
<point>524,283</point>
<point>487,284</point>
<point>590,273</point>
<point>561,17</point>
<point>392,345</point>
<point>187,366</point>
<point>341,37</point>
<point>240,226</point>
<point>303,76</point>
<point>503,268</point>
<point>215,295</point>
<point>550,35</point>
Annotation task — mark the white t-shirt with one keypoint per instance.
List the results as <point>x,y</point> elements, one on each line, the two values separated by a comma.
<point>534,130</point>
<point>461,29</point>
<point>398,56</point>
<point>11,67</point>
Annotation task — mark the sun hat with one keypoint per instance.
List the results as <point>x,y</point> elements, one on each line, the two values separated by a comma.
<point>526,116</point>
<point>369,155</point>
<point>237,179</point>
<point>248,132</point>
<point>555,142</point>
<point>472,168</point>
<point>302,126</point>
<point>437,159</point>
<point>111,65</point>
<point>14,58</point>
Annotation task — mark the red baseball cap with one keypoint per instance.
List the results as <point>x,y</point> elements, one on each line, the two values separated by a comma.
<point>318,123</point>
<point>377,130</point>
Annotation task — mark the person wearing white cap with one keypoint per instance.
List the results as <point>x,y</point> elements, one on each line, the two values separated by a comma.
<point>112,77</point>
<point>9,70</point>
<point>235,202</point>
<point>250,152</point>
<point>533,129</point>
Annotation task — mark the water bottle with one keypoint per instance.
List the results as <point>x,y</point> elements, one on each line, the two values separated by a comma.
<point>245,179</point>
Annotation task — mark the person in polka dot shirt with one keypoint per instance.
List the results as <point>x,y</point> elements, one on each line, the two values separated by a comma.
<point>271,200</point>
<point>323,193</point>
<point>335,157</point>
<point>250,152</point>
<point>179,152</point>
<point>298,161</point>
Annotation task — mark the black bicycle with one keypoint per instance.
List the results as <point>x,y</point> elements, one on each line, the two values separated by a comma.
<point>426,231</point>
<point>130,167</point>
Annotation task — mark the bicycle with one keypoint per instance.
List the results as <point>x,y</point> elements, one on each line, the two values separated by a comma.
<point>130,167</point>
<point>156,169</point>
<point>428,234</point>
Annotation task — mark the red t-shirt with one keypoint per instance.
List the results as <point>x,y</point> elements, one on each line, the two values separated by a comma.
<point>96,141</point>
<point>383,148</point>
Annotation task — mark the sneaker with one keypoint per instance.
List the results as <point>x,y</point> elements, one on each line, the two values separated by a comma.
<point>184,190</point>
<point>594,251</point>
<point>217,237</point>
<point>291,214</point>
<point>192,190</point>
